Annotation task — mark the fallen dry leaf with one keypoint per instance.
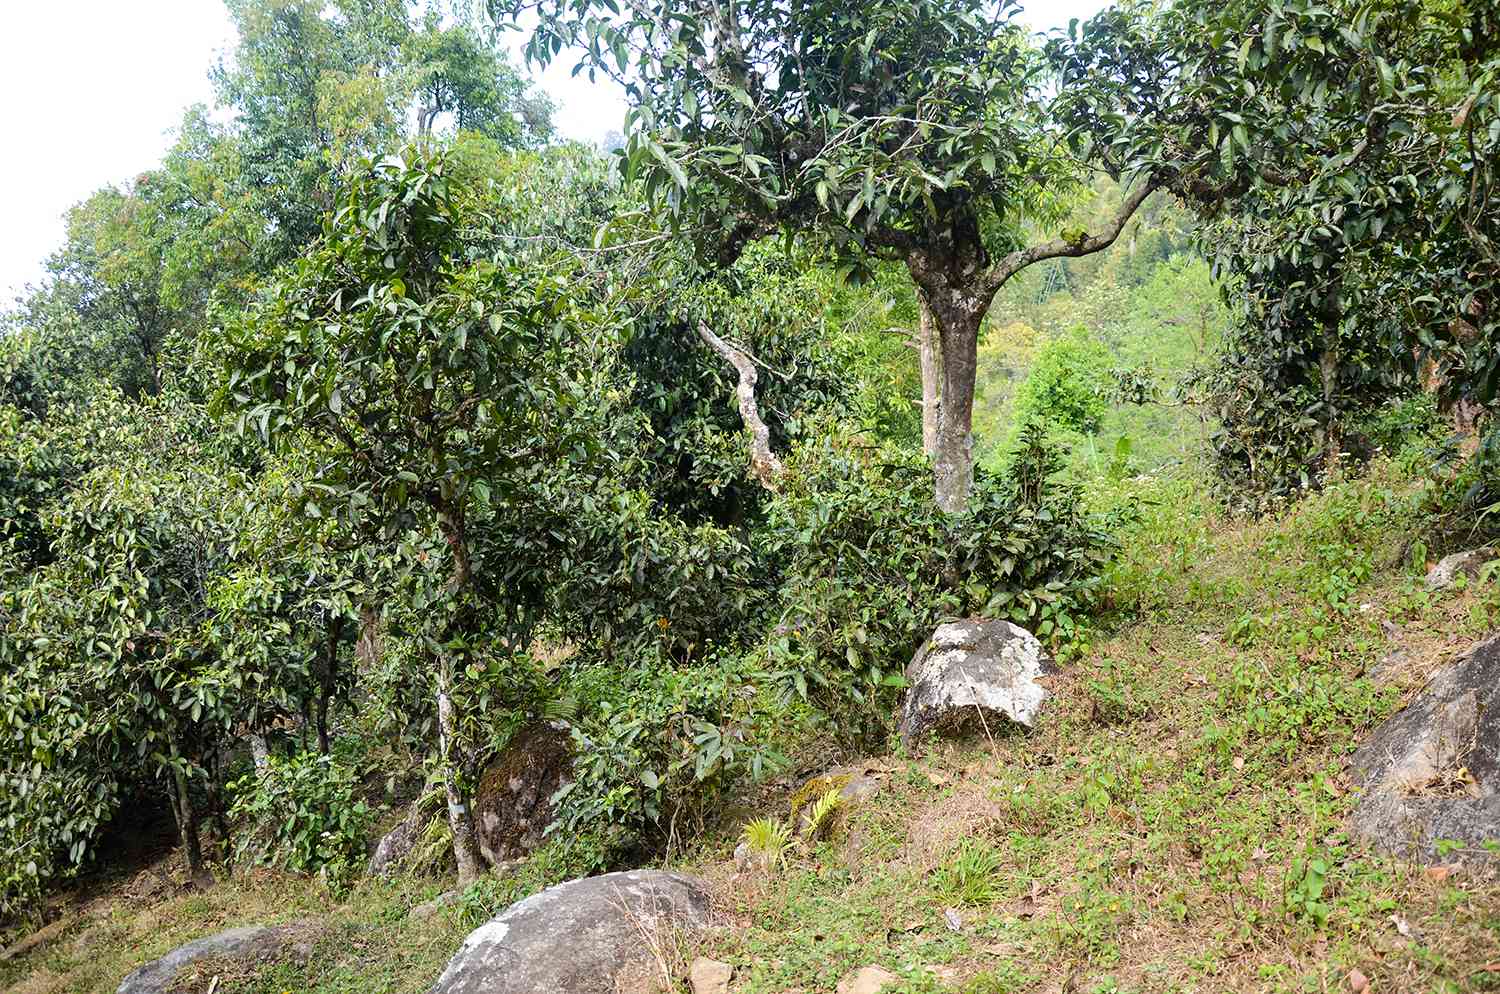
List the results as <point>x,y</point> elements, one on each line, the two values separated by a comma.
<point>1438,874</point>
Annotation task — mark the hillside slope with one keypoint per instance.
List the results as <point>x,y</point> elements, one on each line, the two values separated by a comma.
<point>1176,823</point>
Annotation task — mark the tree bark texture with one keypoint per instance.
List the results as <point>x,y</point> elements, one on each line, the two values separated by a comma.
<point>764,465</point>
<point>927,345</point>
<point>956,276</point>
<point>460,818</point>
<point>187,824</point>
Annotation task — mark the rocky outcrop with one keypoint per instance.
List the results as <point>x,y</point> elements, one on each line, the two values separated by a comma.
<point>513,803</point>
<point>1430,775</point>
<point>1450,568</point>
<point>577,937</point>
<point>251,942</point>
<point>972,674</point>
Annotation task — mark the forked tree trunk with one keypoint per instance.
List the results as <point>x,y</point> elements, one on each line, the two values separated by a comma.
<point>927,345</point>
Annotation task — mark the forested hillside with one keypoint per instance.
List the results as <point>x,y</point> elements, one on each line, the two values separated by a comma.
<point>954,493</point>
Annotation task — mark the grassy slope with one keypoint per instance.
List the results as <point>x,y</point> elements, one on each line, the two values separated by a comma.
<point>1154,835</point>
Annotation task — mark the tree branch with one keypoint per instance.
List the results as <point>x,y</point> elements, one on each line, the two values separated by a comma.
<point>764,465</point>
<point>1086,244</point>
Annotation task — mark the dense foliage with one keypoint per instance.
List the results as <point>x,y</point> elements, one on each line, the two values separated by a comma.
<point>374,426</point>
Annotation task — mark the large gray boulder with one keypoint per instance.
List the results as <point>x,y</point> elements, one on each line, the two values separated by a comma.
<point>396,845</point>
<point>1431,772</point>
<point>971,674</point>
<point>577,937</point>
<point>247,942</point>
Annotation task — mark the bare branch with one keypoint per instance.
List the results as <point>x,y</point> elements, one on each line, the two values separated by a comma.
<point>764,465</point>
<point>1086,244</point>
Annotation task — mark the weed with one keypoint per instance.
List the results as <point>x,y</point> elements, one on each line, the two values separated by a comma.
<point>969,875</point>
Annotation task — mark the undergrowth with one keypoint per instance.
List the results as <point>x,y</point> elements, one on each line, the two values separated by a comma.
<point>1178,821</point>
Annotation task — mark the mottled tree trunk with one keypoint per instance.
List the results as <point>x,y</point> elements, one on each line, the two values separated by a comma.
<point>927,345</point>
<point>1328,364</point>
<point>460,819</point>
<point>260,751</point>
<point>367,646</point>
<point>328,680</point>
<point>953,457</point>
<point>764,464</point>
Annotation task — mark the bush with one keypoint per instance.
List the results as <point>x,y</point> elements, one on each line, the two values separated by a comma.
<point>1068,386</point>
<point>302,813</point>
<point>870,566</point>
<point>659,747</point>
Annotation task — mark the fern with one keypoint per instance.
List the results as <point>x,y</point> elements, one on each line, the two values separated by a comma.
<point>820,814</point>
<point>560,708</point>
<point>433,851</point>
<point>770,839</point>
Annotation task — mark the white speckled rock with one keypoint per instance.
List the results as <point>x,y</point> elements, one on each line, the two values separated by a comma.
<point>573,938</point>
<point>971,667</point>
<point>1447,571</point>
<point>1432,770</point>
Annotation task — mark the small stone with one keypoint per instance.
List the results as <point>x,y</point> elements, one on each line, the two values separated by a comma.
<point>429,908</point>
<point>1358,982</point>
<point>866,980</point>
<point>709,976</point>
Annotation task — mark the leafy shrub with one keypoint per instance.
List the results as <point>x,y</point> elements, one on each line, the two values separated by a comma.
<point>870,566</point>
<point>659,746</point>
<point>303,813</point>
<point>1068,386</point>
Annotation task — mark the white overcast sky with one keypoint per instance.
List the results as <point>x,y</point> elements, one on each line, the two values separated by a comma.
<point>95,87</point>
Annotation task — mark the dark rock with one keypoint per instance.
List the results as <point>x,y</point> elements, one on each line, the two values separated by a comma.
<point>971,674</point>
<point>249,942</point>
<point>513,803</point>
<point>855,785</point>
<point>1432,771</point>
<point>396,845</point>
<point>574,938</point>
<point>1450,568</point>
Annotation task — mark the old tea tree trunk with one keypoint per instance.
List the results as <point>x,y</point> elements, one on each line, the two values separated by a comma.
<point>460,819</point>
<point>955,274</point>
<point>927,347</point>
